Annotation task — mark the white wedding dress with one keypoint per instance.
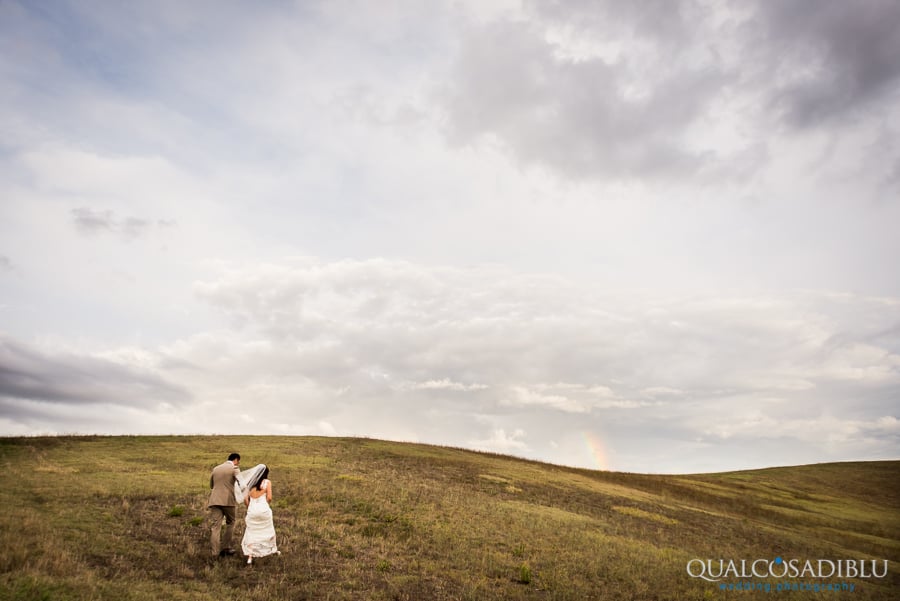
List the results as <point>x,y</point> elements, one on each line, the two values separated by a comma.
<point>259,537</point>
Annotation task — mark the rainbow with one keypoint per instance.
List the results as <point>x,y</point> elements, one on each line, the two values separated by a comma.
<point>597,450</point>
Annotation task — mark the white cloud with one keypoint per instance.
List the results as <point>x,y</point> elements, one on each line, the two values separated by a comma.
<point>527,345</point>
<point>500,441</point>
<point>446,384</point>
<point>425,353</point>
<point>826,430</point>
<point>524,397</point>
<point>570,398</point>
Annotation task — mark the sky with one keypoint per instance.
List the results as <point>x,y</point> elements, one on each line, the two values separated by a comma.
<point>655,236</point>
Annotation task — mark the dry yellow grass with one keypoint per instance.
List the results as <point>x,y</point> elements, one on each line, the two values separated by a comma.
<point>125,518</point>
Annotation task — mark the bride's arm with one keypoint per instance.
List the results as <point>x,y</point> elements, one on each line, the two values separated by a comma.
<point>269,491</point>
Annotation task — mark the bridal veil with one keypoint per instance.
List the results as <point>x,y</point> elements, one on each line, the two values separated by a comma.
<point>246,480</point>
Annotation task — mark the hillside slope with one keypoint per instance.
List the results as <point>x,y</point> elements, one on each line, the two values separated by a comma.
<point>125,518</point>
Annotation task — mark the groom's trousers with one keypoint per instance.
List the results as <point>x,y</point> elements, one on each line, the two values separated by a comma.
<point>217,541</point>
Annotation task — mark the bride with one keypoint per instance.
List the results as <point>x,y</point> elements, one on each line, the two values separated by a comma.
<point>259,536</point>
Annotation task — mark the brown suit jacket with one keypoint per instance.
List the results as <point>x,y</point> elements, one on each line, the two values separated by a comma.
<point>221,481</point>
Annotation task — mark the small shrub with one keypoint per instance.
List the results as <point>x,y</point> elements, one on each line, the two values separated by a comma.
<point>196,521</point>
<point>372,530</point>
<point>176,511</point>
<point>519,551</point>
<point>33,589</point>
<point>383,566</point>
<point>525,574</point>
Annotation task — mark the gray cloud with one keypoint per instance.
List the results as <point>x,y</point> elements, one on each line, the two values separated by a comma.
<point>585,117</point>
<point>89,221</point>
<point>6,263</point>
<point>93,222</point>
<point>66,379</point>
<point>833,58</point>
<point>676,89</point>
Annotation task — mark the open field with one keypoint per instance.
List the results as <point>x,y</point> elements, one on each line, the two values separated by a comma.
<point>125,518</point>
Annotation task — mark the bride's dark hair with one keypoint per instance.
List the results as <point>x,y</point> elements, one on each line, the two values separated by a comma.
<point>262,476</point>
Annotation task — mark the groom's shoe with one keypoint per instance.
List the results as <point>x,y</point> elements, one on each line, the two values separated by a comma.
<point>225,552</point>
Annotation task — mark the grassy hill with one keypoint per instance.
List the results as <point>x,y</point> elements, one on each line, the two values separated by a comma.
<point>125,518</point>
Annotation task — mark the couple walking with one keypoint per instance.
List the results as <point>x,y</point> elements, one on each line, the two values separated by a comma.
<point>231,486</point>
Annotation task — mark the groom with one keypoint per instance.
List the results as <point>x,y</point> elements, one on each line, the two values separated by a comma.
<point>223,505</point>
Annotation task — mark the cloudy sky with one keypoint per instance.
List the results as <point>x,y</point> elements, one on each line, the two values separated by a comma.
<point>653,236</point>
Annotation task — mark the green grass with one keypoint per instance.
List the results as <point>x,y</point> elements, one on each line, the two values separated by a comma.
<point>125,518</point>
